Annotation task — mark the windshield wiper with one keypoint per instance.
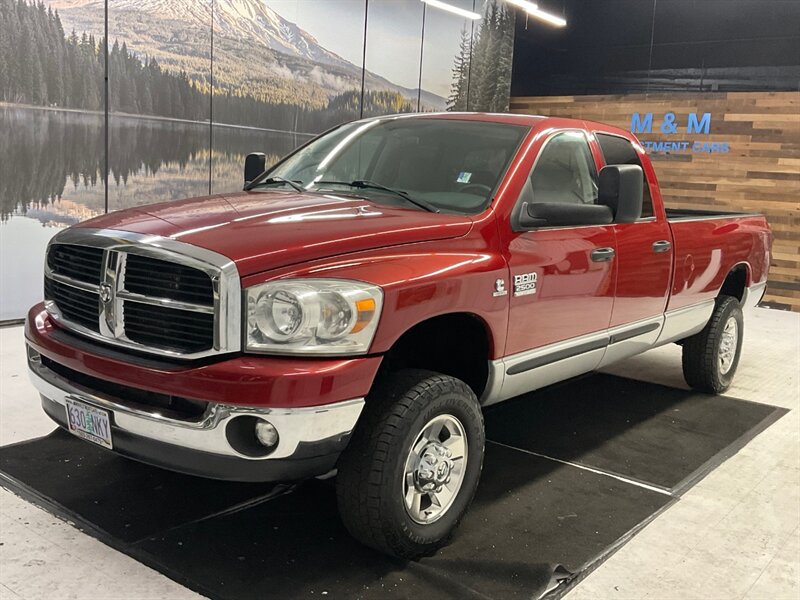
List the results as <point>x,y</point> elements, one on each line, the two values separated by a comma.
<point>424,204</point>
<point>288,182</point>
<point>365,184</point>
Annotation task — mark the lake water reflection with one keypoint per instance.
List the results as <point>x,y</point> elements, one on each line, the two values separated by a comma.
<point>52,175</point>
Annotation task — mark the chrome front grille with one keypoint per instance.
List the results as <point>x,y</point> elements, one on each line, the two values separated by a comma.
<point>146,293</point>
<point>170,328</point>
<point>76,262</point>
<point>77,305</point>
<point>162,279</point>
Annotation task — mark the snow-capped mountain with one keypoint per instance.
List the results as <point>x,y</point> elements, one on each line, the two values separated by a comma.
<point>255,20</point>
<point>251,40</point>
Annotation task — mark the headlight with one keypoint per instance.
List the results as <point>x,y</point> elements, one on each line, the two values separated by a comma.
<point>312,316</point>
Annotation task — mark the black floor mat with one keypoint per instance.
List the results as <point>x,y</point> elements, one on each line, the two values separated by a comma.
<point>651,433</point>
<point>530,514</point>
<point>121,497</point>
<point>534,522</point>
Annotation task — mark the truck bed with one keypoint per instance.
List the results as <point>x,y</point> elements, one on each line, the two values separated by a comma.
<point>708,245</point>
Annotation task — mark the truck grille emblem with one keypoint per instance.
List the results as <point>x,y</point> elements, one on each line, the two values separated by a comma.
<point>106,293</point>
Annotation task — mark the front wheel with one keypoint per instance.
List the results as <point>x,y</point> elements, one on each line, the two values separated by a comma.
<point>710,358</point>
<point>412,466</point>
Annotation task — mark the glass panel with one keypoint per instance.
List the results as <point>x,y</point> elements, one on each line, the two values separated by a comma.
<point>51,139</point>
<point>446,49</point>
<point>619,151</point>
<point>232,145</point>
<point>287,70</point>
<point>159,73</point>
<point>394,37</point>
<point>451,164</point>
<point>492,54</point>
<point>467,62</point>
<point>565,171</point>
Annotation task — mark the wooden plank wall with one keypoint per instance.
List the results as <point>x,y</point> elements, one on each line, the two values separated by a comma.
<point>760,173</point>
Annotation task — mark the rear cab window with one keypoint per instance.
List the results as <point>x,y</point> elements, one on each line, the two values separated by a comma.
<point>620,151</point>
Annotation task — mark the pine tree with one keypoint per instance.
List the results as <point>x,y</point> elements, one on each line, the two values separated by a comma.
<point>39,89</point>
<point>457,101</point>
<point>114,76</point>
<point>145,93</point>
<point>25,60</point>
<point>5,50</point>
<point>503,61</point>
<point>478,68</point>
<point>490,64</point>
<point>485,86</point>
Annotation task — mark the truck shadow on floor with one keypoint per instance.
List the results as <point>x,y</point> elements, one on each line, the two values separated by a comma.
<point>546,511</point>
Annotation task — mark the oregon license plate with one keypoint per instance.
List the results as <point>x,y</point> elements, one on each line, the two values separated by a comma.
<point>89,423</point>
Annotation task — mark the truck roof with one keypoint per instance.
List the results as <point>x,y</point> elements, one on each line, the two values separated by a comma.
<point>533,121</point>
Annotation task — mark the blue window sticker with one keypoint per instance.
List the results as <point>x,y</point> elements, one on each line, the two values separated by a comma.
<point>464,177</point>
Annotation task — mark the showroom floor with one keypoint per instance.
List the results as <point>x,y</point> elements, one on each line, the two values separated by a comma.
<point>736,534</point>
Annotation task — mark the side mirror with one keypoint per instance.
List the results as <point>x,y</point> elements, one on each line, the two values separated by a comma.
<point>620,187</point>
<point>550,214</point>
<point>254,165</point>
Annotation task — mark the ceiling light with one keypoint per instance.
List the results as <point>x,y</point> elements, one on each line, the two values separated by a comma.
<point>548,18</point>
<point>524,5</point>
<point>467,14</point>
<point>534,11</point>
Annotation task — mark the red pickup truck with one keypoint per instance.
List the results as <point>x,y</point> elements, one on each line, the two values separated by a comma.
<point>359,303</point>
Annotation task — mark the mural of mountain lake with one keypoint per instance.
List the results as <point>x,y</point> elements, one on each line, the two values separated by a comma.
<point>52,175</point>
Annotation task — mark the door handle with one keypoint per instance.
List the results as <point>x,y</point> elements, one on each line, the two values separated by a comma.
<point>603,254</point>
<point>662,246</point>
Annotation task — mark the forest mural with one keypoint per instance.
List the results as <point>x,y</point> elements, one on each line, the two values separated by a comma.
<point>180,118</point>
<point>482,66</point>
<point>69,73</point>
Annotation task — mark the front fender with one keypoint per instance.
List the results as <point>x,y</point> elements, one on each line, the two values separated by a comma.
<point>421,281</point>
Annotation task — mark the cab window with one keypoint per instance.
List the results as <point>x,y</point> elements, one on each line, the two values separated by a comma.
<point>620,151</point>
<point>564,172</point>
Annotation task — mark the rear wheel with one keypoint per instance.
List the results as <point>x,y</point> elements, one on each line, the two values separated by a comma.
<point>411,469</point>
<point>710,358</point>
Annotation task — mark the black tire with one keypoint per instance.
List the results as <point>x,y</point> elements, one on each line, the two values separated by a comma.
<point>370,481</point>
<point>701,352</point>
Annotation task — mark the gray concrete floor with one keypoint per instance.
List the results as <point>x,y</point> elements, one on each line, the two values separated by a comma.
<point>734,535</point>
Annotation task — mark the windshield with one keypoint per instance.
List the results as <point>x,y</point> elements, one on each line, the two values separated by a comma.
<point>438,164</point>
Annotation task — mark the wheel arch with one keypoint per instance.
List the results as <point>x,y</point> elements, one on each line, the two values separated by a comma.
<point>736,281</point>
<point>458,344</point>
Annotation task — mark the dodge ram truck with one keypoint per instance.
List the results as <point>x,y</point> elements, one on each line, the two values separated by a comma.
<point>359,303</point>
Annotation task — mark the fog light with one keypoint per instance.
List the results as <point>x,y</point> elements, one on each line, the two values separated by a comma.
<point>33,355</point>
<point>266,433</point>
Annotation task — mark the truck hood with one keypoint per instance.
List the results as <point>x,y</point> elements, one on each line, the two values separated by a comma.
<point>260,231</point>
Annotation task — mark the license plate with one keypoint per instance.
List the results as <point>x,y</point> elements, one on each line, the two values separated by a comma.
<point>89,423</point>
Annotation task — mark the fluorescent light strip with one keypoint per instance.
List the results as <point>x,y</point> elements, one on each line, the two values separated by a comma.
<point>548,18</point>
<point>524,5</point>
<point>467,14</point>
<point>534,11</point>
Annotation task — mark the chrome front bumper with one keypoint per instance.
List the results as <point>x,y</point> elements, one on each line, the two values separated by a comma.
<point>309,438</point>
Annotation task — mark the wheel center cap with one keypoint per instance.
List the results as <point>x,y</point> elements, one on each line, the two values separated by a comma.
<point>434,468</point>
